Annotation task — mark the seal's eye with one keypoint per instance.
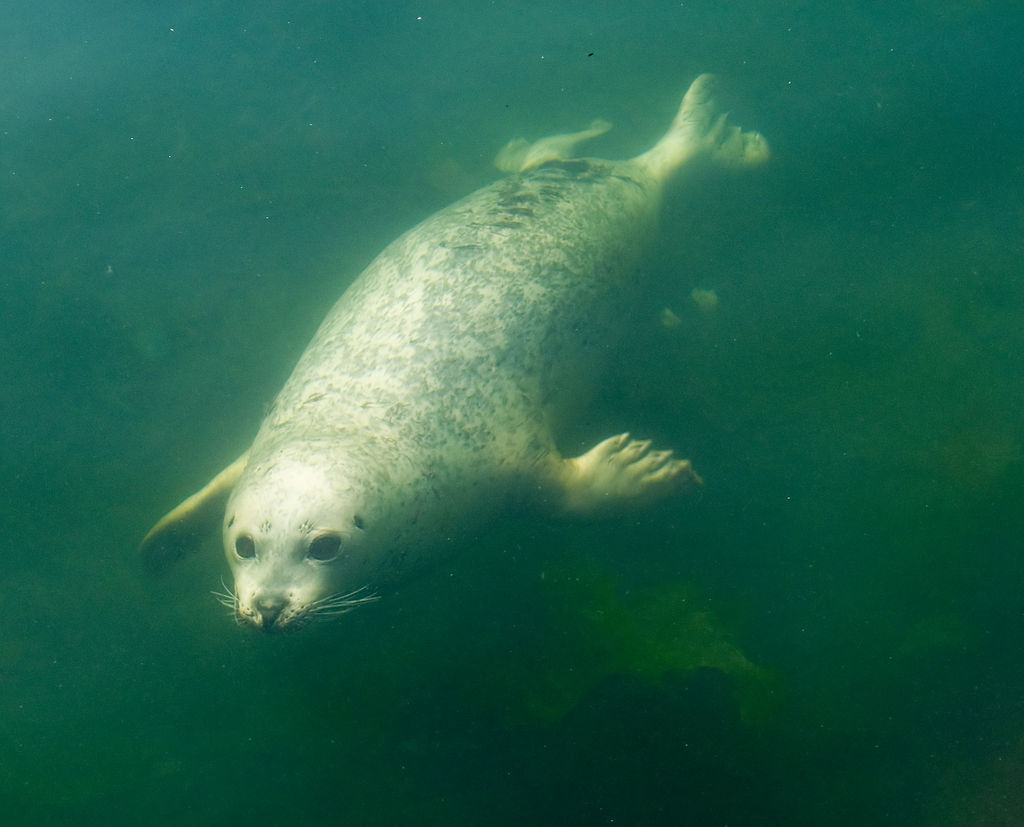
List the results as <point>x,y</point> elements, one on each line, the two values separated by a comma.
<point>245,547</point>
<point>324,548</point>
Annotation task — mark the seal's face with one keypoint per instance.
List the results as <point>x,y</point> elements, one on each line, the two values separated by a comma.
<point>293,547</point>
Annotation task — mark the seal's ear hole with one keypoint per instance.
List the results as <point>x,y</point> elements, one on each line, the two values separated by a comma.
<point>245,547</point>
<point>358,522</point>
<point>324,548</point>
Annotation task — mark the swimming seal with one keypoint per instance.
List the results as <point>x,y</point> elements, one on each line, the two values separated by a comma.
<point>433,392</point>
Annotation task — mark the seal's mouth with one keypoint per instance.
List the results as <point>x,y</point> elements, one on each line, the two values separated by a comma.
<point>277,616</point>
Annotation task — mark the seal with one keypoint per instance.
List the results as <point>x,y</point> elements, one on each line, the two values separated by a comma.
<point>434,391</point>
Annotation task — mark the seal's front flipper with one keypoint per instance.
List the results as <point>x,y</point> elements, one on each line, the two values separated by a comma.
<point>182,529</point>
<point>619,473</point>
<point>518,155</point>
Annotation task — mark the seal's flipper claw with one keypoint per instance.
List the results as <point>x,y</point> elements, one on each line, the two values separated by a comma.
<point>620,472</point>
<point>182,529</point>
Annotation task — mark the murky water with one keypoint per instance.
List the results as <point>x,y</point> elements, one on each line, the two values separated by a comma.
<point>828,635</point>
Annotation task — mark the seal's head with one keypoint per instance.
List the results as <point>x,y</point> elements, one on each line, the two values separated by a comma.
<point>296,544</point>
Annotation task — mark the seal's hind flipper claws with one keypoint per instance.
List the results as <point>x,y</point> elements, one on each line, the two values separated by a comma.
<point>699,129</point>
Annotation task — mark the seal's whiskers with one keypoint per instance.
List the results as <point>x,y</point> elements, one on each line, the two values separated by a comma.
<point>226,597</point>
<point>338,604</point>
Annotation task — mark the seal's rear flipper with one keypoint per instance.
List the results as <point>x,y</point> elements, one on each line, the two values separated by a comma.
<point>182,529</point>
<point>621,473</point>
<point>699,129</point>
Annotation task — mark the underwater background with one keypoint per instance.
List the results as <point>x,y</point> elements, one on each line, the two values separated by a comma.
<point>829,634</point>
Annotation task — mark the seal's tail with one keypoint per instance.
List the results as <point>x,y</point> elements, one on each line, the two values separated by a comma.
<point>700,130</point>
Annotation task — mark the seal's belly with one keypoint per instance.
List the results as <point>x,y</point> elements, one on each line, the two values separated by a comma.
<point>460,335</point>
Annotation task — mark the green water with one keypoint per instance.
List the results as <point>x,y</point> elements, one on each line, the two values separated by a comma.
<point>830,634</point>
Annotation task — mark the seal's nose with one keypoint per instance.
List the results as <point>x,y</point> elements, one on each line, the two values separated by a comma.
<point>270,610</point>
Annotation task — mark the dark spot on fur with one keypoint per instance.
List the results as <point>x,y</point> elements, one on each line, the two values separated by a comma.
<point>628,180</point>
<point>518,199</point>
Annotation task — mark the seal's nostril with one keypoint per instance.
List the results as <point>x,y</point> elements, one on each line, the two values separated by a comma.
<point>269,611</point>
